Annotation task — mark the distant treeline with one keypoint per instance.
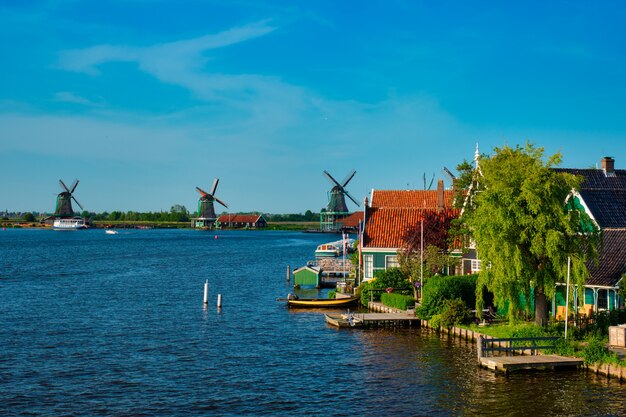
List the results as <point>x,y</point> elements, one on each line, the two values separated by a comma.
<point>178,213</point>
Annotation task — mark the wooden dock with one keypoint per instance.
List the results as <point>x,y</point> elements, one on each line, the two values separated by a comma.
<point>512,363</point>
<point>372,320</point>
<point>511,354</point>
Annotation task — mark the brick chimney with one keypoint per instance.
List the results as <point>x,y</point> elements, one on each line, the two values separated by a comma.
<point>608,166</point>
<point>439,195</point>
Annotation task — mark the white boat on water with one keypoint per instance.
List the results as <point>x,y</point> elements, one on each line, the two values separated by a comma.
<point>72,223</point>
<point>333,249</point>
<point>327,250</point>
<point>111,232</point>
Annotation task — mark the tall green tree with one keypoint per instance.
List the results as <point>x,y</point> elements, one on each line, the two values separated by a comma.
<point>524,232</point>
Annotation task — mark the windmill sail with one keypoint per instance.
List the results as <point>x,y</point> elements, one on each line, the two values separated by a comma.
<point>206,206</point>
<point>337,197</point>
<point>64,200</point>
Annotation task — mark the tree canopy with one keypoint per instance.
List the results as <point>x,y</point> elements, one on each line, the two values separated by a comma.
<point>523,231</point>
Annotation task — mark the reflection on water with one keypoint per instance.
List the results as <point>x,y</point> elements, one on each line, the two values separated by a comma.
<point>93,325</point>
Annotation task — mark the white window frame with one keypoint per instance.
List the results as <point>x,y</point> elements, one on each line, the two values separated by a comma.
<point>476,265</point>
<point>391,261</point>
<point>368,266</point>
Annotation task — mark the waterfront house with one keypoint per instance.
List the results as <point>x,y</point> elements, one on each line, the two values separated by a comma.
<point>241,221</point>
<point>390,216</point>
<point>602,196</point>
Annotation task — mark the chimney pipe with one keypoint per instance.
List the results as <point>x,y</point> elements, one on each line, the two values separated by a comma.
<point>608,166</point>
<point>439,195</point>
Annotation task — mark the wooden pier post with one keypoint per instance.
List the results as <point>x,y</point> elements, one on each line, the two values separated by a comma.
<point>288,273</point>
<point>219,300</point>
<point>479,347</point>
<point>206,292</point>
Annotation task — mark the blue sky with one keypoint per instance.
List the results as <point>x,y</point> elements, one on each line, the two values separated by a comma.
<point>144,100</point>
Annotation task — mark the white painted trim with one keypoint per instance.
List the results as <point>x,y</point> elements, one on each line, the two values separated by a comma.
<point>379,250</point>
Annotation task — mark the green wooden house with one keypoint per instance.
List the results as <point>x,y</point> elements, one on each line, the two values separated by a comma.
<point>307,276</point>
<point>389,216</point>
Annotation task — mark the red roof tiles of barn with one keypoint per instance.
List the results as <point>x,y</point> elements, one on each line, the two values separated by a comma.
<point>410,198</point>
<point>352,220</point>
<point>238,218</point>
<point>387,227</point>
<point>394,213</point>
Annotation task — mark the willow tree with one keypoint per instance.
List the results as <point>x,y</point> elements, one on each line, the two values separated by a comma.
<point>523,230</point>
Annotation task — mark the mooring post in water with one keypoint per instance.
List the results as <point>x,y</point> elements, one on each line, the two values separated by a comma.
<point>479,347</point>
<point>288,273</point>
<point>219,300</point>
<point>206,292</point>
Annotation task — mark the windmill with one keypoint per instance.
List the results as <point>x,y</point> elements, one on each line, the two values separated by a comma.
<point>64,200</point>
<point>337,200</point>
<point>206,210</point>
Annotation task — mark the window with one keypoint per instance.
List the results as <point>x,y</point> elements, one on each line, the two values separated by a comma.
<point>603,299</point>
<point>475,266</point>
<point>391,261</point>
<point>368,266</point>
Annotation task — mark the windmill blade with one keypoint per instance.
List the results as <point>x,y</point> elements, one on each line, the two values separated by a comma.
<point>431,181</point>
<point>330,177</point>
<point>350,197</point>
<point>214,187</point>
<point>449,173</point>
<point>201,191</point>
<point>348,178</point>
<point>73,187</point>
<point>76,201</point>
<point>220,201</point>
<point>64,186</point>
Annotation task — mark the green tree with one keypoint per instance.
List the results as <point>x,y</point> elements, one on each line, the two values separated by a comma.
<point>28,217</point>
<point>523,232</point>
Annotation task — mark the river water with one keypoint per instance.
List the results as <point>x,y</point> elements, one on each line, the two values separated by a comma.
<point>96,324</point>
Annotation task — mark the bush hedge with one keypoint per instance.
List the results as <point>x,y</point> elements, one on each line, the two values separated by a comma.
<point>439,289</point>
<point>390,278</point>
<point>399,301</point>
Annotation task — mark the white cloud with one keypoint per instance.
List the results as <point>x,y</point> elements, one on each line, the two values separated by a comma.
<point>69,97</point>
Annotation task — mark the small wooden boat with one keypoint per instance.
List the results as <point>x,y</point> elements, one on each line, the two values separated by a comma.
<point>322,302</point>
<point>327,250</point>
<point>343,320</point>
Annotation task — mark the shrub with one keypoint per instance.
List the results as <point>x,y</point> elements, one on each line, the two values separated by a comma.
<point>438,289</point>
<point>564,347</point>
<point>454,312</point>
<point>399,301</point>
<point>595,351</point>
<point>390,278</point>
<point>435,321</point>
<point>332,294</point>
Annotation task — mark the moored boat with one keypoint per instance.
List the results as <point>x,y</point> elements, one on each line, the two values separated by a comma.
<point>322,302</point>
<point>73,223</point>
<point>327,250</point>
<point>343,320</point>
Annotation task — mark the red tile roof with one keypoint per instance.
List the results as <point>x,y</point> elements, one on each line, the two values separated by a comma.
<point>410,198</point>
<point>394,213</point>
<point>387,227</point>
<point>352,220</point>
<point>239,218</point>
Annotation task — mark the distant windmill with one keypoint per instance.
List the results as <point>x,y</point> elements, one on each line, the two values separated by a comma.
<point>337,200</point>
<point>449,174</point>
<point>64,200</point>
<point>206,210</point>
